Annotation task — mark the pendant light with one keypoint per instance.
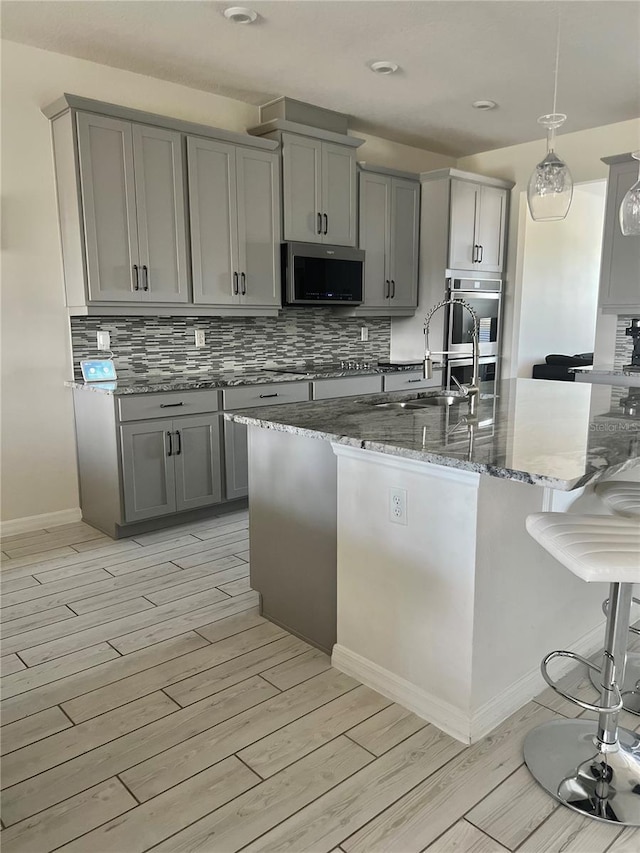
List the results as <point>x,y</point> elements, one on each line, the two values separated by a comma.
<point>550,187</point>
<point>630,208</point>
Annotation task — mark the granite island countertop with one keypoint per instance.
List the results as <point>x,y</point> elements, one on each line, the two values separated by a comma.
<point>552,434</point>
<point>199,381</point>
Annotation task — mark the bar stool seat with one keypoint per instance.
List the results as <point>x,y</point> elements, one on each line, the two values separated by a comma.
<point>622,496</point>
<point>596,548</point>
<point>592,767</point>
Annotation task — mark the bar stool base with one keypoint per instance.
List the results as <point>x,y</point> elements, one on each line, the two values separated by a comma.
<point>562,757</point>
<point>631,685</point>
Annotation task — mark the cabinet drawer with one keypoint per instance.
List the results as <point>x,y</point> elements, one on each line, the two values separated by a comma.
<point>411,380</point>
<point>265,395</point>
<point>350,386</point>
<point>169,404</point>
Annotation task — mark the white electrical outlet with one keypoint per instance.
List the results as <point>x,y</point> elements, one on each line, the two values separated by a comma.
<point>104,340</point>
<point>200,337</point>
<point>398,506</point>
<point>364,333</point>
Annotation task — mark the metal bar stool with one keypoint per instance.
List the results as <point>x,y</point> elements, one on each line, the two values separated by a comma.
<point>594,768</point>
<point>623,498</point>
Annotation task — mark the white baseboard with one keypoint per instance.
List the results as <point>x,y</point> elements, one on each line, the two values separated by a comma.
<point>443,715</point>
<point>39,522</point>
<point>464,727</point>
<point>491,714</point>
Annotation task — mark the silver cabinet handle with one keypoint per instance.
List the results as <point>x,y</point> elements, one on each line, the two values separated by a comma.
<point>135,279</point>
<point>243,278</point>
<point>474,256</point>
<point>387,288</point>
<point>264,396</point>
<point>481,250</point>
<point>326,222</point>
<point>145,270</point>
<point>319,223</point>
<point>393,288</point>
<point>235,284</point>
<point>170,405</point>
<point>170,451</point>
<point>179,437</point>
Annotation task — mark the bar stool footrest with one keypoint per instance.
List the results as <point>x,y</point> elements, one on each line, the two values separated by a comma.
<point>587,706</point>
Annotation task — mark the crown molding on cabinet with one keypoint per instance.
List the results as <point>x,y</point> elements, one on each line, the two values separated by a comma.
<point>438,174</point>
<point>76,102</point>
<point>364,166</point>
<point>618,158</point>
<point>283,125</point>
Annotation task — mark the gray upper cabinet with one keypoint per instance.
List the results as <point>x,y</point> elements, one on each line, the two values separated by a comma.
<point>389,234</point>
<point>235,224</point>
<point>109,205</point>
<point>477,226</point>
<point>133,206</point>
<point>620,266</point>
<point>319,191</point>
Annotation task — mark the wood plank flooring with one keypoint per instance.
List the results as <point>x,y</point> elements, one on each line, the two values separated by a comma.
<point>147,706</point>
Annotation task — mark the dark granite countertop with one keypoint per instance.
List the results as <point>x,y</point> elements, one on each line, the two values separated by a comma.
<point>553,434</point>
<point>199,381</point>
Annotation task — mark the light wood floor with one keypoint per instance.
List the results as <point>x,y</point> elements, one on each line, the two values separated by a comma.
<point>146,705</point>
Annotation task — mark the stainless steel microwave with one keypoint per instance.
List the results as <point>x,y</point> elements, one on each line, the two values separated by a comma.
<point>317,274</point>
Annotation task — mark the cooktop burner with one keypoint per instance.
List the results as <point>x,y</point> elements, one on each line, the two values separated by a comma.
<point>345,367</point>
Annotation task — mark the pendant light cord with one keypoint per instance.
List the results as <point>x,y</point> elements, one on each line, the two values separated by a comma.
<point>555,83</point>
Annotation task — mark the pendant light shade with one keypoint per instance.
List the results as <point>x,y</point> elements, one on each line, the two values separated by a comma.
<point>550,188</point>
<point>630,208</point>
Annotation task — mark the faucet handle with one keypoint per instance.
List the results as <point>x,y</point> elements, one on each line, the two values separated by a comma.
<point>462,388</point>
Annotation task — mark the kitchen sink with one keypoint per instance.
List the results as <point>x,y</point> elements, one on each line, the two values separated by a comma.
<point>444,399</point>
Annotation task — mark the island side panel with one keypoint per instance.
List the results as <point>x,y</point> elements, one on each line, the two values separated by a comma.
<point>406,592</point>
<point>292,528</point>
<point>527,603</point>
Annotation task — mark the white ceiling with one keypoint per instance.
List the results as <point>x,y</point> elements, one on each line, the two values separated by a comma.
<point>451,52</point>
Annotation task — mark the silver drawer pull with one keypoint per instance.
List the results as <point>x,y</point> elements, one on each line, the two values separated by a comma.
<point>170,405</point>
<point>264,396</point>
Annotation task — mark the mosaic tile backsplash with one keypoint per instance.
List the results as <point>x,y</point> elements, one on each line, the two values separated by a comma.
<point>624,343</point>
<point>165,345</point>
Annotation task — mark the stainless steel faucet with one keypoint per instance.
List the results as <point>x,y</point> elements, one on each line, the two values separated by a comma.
<point>471,391</point>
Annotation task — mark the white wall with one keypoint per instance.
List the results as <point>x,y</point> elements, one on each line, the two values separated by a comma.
<point>582,152</point>
<point>38,443</point>
<point>560,278</point>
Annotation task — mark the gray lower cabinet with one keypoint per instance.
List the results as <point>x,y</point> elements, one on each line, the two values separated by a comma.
<point>170,466</point>
<point>236,461</point>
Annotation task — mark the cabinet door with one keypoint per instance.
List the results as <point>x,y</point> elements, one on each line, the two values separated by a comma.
<point>620,276</point>
<point>375,216</point>
<point>214,221</point>
<point>197,461</point>
<point>301,165</point>
<point>338,194</point>
<point>490,228</point>
<point>160,202</point>
<point>462,236</point>
<point>403,256</point>
<point>109,208</point>
<point>258,227</point>
<point>236,461</point>
<point>148,474</point>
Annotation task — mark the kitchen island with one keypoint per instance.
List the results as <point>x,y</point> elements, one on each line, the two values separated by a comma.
<point>444,603</point>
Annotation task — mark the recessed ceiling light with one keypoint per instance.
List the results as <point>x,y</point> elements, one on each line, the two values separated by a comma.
<point>383,66</point>
<point>484,105</point>
<point>240,15</point>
